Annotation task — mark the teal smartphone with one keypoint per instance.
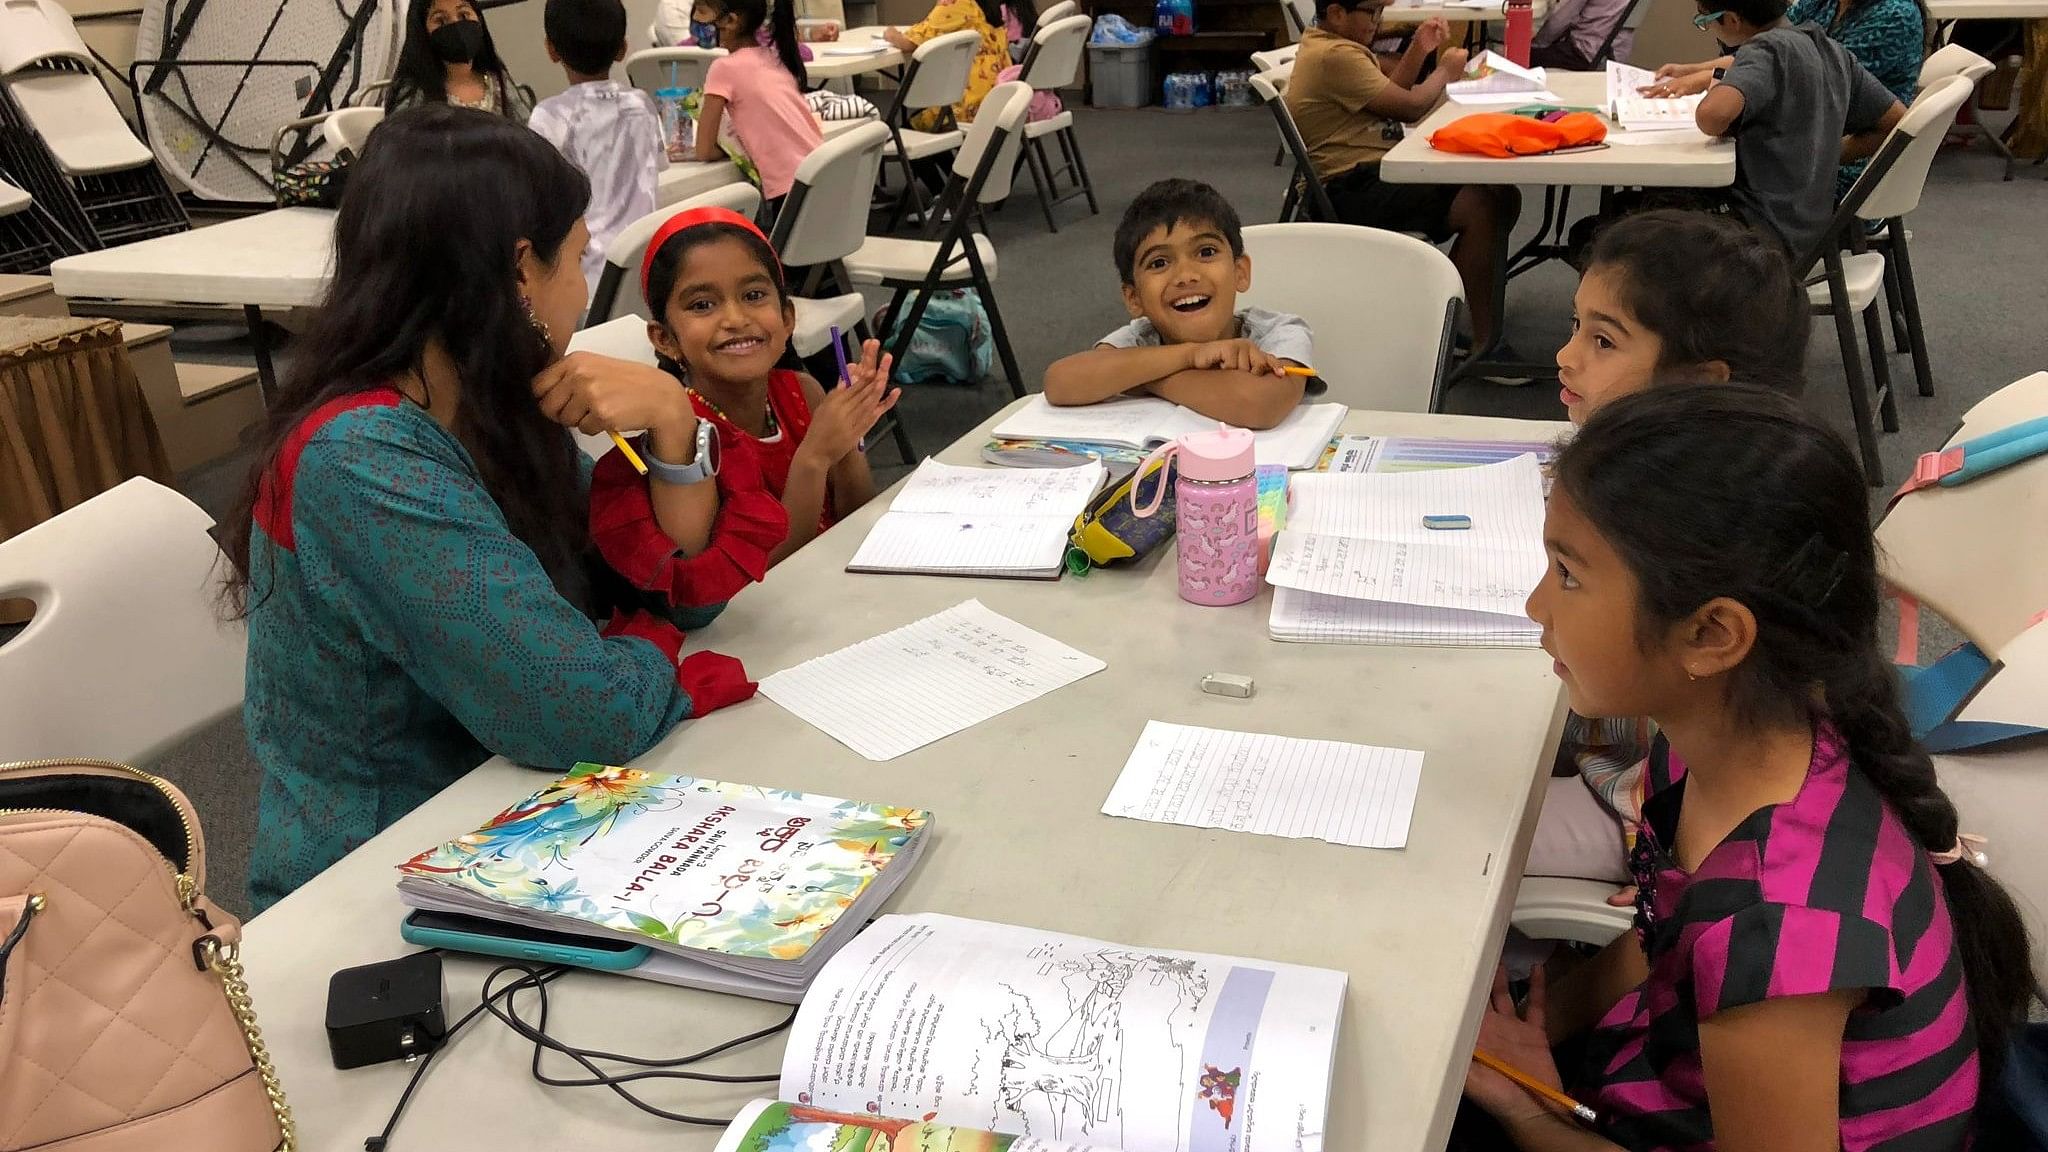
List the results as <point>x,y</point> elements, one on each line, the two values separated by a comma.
<point>518,942</point>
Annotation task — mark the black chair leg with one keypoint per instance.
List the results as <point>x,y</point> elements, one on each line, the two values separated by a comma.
<point>1880,369</point>
<point>1852,368</point>
<point>1916,333</point>
<point>987,289</point>
<point>1894,304</point>
<point>1041,179</point>
<point>1072,144</point>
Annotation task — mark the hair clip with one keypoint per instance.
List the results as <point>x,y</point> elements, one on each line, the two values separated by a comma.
<point>1969,846</point>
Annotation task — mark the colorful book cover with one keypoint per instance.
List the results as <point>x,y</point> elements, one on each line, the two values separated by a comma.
<point>699,864</point>
<point>780,1127</point>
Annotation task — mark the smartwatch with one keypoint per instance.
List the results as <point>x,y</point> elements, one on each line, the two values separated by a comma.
<point>704,467</point>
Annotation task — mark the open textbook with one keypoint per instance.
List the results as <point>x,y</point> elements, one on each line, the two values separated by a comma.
<point>1492,78</point>
<point>1147,422</point>
<point>1031,1041</point>
<point>1634,112</point>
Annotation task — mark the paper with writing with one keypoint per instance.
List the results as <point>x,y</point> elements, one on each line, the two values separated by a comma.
<point>901,690</point>
<point>1329,790</point>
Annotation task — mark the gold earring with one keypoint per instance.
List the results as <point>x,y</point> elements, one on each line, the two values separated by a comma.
<point>539,326</point>
<point>1691,675</point>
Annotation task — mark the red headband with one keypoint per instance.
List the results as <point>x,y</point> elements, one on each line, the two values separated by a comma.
<point>694,217</point>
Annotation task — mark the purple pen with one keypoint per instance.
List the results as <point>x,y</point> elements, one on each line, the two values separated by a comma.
<point>839,354</point>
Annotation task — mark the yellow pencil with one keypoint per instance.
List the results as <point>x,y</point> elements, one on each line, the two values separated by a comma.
<point>1536,1086</point>
<point>1298,370</point>
<point>632,457</point>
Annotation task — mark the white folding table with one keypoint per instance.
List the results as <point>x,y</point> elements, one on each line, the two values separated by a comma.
<point>275,259</point>
<point>1686,161</point>
<point>1947,12</point>
<point>827,63</point>
<point>1019,838</point>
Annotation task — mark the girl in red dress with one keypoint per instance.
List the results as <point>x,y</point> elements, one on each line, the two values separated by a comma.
<point>724,318</point>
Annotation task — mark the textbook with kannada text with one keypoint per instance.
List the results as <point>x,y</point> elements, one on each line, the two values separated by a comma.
<point>737,888</point>
<point>1143,422</point>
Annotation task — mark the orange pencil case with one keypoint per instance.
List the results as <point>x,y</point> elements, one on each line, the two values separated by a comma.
<point>1504,134</point>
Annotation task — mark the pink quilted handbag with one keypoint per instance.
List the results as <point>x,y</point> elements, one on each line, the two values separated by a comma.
<point>125,1024</point>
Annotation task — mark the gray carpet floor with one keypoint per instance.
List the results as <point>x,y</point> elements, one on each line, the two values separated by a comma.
<point>1979,246</point>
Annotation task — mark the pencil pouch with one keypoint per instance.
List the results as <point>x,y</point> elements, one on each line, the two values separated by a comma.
<point>1108,532</point>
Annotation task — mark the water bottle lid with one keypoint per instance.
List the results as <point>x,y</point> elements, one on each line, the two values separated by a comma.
<point>1225,453</point>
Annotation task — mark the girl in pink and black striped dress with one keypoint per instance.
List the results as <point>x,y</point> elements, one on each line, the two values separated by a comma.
<point>1819,962</point>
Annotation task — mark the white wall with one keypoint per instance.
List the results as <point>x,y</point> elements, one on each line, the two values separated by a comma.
<point>516,30</point>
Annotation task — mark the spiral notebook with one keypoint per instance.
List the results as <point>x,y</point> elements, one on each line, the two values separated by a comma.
<point>1356,565</point>
<point>954,521</point>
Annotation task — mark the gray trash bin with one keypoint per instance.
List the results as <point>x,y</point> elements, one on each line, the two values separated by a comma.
<point>1119,75</point>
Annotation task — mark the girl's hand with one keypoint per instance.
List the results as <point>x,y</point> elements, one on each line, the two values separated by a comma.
<point>1623,897</point>
<point>598,394</point>
<point>1450,63</point>
<point>1518,1039</point>
<point>1669,70</point>
<point>850,411</point>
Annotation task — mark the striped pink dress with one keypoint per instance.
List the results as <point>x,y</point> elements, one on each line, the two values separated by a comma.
<point>1827,892</point>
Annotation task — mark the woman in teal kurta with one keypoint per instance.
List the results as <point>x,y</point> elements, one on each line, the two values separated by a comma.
<point>1887,37</point>
<point>422,588</point>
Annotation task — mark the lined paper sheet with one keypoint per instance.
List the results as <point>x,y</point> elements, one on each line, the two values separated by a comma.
<point>951,520</point>
<point>1353,794</point>
<point>925,681</point>
<point>1356,565</point>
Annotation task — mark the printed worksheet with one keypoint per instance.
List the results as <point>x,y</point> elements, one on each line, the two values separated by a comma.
<point>1329,790</point>
<point>959,667</point>
<point>1065,1039</point>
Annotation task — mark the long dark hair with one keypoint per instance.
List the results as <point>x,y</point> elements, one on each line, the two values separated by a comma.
<point>1736,300</point>
<point>781,29</point>
<point>425,252</point>
<point>1025,11</point>
<point>421,74</point>
<point>1729,490</point>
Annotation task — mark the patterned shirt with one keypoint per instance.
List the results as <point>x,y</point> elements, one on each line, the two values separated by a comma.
<point>399,634</point>
<point>1826,892</point>
<point>990,58</point>
<point>613,133</point>
<point>1887,37</point>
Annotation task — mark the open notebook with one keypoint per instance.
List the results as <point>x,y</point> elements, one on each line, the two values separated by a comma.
<point>1146,422</point>
<point>955,521</point>
<point>1355,565</point>
<point>1635,112</point>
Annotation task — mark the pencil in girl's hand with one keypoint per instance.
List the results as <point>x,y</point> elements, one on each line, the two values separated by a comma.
<point>632,457</point>
<point>839,354</point>
<point>1487,1059</point>
<point>1297,370</point>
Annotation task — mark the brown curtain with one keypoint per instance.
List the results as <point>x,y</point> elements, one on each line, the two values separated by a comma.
<point>2030,131</point>
<point>73,421</point>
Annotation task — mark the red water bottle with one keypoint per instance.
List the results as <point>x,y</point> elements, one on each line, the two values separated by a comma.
<point>1520,15</point>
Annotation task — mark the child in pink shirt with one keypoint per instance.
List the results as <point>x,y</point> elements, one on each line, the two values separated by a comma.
<point>760,88</point>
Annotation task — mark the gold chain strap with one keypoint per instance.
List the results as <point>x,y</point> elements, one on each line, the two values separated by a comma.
<point>226,962</point>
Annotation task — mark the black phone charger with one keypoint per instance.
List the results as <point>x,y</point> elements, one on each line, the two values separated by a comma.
<point>390,1010</point>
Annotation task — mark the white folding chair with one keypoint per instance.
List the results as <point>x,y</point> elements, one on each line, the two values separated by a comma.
<point>936,77</point>
<point>125,655</point>
<point>1056,13</point>
<point>1051,63</point>
<point>1844,285</point>
<point>824,221</point>
<point>349,128</point>
<point>1965,552</point>
<point>1953,60</point>
<point>1398,362</point>
<point>618,286</point>
<point>1299,16</point>
<point>652,69</point>
<point>1306,198</point>
<point>912,269</point>
<point>1267,61</point>
<point>29,239</point>
<point>1555,908</point>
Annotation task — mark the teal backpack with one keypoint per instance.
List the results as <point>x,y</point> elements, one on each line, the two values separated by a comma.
<point>953,342</point>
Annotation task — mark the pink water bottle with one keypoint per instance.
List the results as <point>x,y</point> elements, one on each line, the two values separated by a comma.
<point>1520,15</point>
<point>1216,502</point>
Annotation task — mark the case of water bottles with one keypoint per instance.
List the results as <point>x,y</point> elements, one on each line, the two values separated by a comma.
<point>1187,91</point>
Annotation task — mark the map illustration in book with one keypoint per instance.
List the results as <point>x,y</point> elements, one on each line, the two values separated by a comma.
<point>673,860</point>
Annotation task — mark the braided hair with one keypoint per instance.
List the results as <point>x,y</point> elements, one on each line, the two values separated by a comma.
<point>1734,491</point>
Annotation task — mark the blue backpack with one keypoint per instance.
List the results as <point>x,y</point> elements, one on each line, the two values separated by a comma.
<point>952,343</point>
<point>1936,694</point>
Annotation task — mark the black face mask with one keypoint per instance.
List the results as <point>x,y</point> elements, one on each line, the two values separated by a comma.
<point>457,43</point>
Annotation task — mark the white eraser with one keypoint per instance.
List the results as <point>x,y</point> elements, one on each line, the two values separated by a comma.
<point>1227,684</point>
